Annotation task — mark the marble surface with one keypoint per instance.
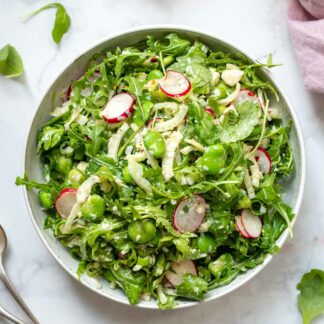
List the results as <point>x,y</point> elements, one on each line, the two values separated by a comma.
<point>256,26</point>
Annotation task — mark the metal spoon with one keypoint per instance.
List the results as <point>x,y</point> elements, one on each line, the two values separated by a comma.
<point>7,282</point>
<point>10,317</point>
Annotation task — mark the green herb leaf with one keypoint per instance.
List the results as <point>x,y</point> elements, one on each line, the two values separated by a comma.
<point>242,126</point>
<point>62,20</point>
<point>172,45</point>
<point>311,297</point>
<point>11,64</point>
<point>192,287</point>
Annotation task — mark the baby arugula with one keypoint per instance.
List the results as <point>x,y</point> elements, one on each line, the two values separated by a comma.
<point>11,64</point>
<point>311,297</point>
<point>62,20</point>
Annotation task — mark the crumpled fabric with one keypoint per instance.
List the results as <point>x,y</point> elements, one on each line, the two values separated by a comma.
<point>307,34</point>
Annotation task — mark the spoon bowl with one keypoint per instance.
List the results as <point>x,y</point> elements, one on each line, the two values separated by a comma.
<point>5,279</point>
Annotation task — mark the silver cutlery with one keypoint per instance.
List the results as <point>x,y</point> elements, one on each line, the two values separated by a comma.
<point>4,277</point>
<point>10,317</point>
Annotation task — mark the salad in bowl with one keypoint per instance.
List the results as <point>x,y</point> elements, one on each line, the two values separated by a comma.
<point>163,169</point>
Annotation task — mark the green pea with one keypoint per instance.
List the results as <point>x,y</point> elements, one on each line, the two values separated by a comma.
<point>221,266</point>
<point>45,199</point>
<point>141,116</point>
<point>244,202</point>
<point>142,231</point>
<point>155,144</point>
<point>213,160</point>
<point>76,177</point>
<point>154,74</point>
<point>93,208</point>
<point>206,243</point>
<point>127,177</point>
<point>156,239</point>
<point>63,165</point>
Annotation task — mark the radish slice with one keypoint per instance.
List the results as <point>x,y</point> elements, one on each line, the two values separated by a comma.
<point>246,94</point>
<point>240,228</point>
<point>65,201</point>
<point>251,223</point>
<point>189,214</point>
<point>210,111</point>
<point>118,108</point>
<point>263,159</point>
<point>178,269</point>
<point>174,84</point>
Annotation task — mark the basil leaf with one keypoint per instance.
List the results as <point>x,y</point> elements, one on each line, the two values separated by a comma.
<point>311,297</point>
<point>11,64</point>
<point>62,20</point>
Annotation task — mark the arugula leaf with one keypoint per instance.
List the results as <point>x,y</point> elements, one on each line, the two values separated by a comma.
<point>192,287</point>
<point>11,64</point>
<point>131,282</point>
<point>62,20</point>
<point>173,45</point>
<point>135,86</point>
<point>248,117</point>
<point>311,296</point>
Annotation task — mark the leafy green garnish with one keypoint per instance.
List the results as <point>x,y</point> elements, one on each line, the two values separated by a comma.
<point>11,64</point>
<point>237,127</point>
<point>62,20</point>
<point>192,287</point>
<point>311,296</point>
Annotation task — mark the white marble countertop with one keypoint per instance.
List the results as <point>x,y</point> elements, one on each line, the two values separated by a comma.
<point>256,26</point>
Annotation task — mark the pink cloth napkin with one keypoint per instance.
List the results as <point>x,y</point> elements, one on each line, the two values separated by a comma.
<point>308,38</point>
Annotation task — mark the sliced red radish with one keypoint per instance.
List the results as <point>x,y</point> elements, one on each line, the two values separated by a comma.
<point>189,214</point>
<point>246,94</point>
<point>119,107</point>
<point>263,159</point>
<point>65,201</point>
<point>178,269</point>
<point>174,84</point>
<point>210,111</point>
<point>251,223</point>
<point>240,228</point>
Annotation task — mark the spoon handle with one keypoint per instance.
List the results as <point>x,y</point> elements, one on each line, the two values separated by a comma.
<point>10,317</point>
<point>4,277</point>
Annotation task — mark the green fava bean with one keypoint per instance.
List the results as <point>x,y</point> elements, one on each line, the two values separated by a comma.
<point>45,199</point>
<point>141,231</point>
<point>206,243</point>
<point>93,208</point>
<point>63,165</point>
<point>76,177</point>
<point>213,160</point>
<point>154,74</point>
<point>155,144</point>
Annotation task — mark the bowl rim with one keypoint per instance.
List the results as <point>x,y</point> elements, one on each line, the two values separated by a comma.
<point>300,141</point>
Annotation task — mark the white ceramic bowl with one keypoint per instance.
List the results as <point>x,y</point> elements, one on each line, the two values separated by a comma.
<point>32,164</point>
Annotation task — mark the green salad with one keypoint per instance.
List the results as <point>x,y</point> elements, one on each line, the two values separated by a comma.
<point>163,168</point>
